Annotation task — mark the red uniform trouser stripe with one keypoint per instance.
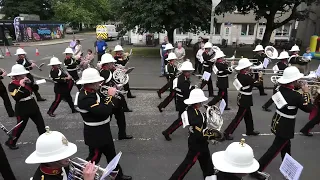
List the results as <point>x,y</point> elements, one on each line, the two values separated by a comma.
<point>15,130</point>
<point>284,144</point>
<point>96,154</point>
<point>70,84</point>
<point>57,101</point>
<point>175,127</point>
<point>189,166</point>
<point>237,123</point>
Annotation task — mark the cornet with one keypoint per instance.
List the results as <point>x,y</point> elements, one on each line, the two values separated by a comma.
<point>104,91</point>
<point>76,170</point>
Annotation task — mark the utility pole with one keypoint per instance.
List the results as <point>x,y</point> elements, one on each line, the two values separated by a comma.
<point>214,5</point>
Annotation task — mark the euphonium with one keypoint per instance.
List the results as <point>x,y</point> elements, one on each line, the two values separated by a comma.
<point>76,170</point>
<point>214,119</point>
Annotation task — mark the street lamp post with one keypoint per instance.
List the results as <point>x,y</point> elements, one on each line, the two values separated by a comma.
<point>214,5</point>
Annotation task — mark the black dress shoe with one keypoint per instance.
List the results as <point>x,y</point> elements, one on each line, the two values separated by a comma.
<point>41,99</point>
<point>258,176</point>
<point>266,109</point>
<point>11,115</point>
<point>74,111</point>
<point>166,136</point>
<point>306,133</point>
<point>127,110</point>
<point>160,109</point>
<point>124,177</point>
<point>131,96</point>
<point>11,146</point>
<point>159,94</point>
<point>125,137</point>
<point>263,94</point>
<point>51,114</point>
<point>226,109</point>
<point>253,133</point>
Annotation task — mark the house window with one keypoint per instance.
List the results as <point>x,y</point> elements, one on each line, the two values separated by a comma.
<point>178,31</point>
<point>260,31</point>
<point>251,29</point>
<point>217,29</point>
<point>244,29</point>
<point>283,30</point>
<point>227,31</point>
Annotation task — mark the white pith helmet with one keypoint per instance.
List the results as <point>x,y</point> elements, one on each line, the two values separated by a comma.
<point>171,56</point>
<point>20,51</point>
<point>68,51</point>
<point>51,146</point>
<point>237,158</point>
<point>243,63</point>
<point>208,45</point>
<point>284,55</point>
<point>118,48</point>
<point>196,96</point>
<point>186,66</point>
<point>168,47</point>
<point>106,58</point>
<point>54,61</point>
<point>258,48</point>
<point>18,69</point>
<point>219,54</point>
<point>290,74</point>
<point>295,48</point>
<point>90,75</point>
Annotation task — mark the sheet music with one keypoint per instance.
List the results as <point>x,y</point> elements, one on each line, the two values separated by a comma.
<point>185,120</point>
<point>215,69</point>
<point>279,100</point>
<point>111,166</point>
<point>175,83</point>
<point>206,76</point>
<point>237,84</point>
<point>41,81</point>
<point>290,168</point>
<point>266,62</point>
<point>222,106</point>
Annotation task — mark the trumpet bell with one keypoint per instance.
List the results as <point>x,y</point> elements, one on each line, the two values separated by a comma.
<point>271,52</point>
<point>76,169</point>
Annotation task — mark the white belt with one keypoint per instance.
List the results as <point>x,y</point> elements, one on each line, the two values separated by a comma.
<point>205,65</point>
<point>179,95</point>
<point>26,98</point>
<point>177,89</point>
<point>74,69</point>
<point>245,87</point>
<point>97,123</point>
<point>222,76</point>
<point>245,93</point>
<point>285,115</point>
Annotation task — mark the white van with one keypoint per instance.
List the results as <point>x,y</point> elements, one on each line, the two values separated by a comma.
<point>112,32</point>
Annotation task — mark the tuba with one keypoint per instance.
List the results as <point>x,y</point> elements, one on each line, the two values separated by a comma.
<point>271,52</point>
<point>77,166</point>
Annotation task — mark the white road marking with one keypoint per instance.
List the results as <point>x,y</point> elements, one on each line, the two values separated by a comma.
<point>271,134</point>
<point>46,58</point>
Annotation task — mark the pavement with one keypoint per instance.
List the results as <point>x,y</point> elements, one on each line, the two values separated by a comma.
<point>148,156</point>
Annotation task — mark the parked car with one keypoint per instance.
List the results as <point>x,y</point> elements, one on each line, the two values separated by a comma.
<point>70,30</point>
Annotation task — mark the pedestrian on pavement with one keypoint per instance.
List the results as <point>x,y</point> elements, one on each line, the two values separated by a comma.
<point>258,65</point>
<point>71,64</point>
<point>122,59</point>
<point>101,47</point>
<point>107,68</point>
<point>96,111</point>
<point>5,168</point>
<point>199,134</point>
<point>279,68</point>
<point>4,94</point>
<point>244,100</point>
<point>162,53</point>
<point>52,153</point>
<point>235,162</point>
<point>171,73</point>
<point>288,101</point>
<point>26,107</point>
<point>183,89</point>
<point>196,47</point>
<point>62,85</point>
<point>199,59</point>
<point>180,52</point>
<point>73,43</point>
<point>29,65</point>
<point>207,56</point>
<point>78,50</point>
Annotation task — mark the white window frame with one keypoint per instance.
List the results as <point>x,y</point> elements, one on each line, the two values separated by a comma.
<point>282,32</point>
<point>247,32</point>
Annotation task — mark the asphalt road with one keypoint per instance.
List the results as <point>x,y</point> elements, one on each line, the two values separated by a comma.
<point>148,156</point>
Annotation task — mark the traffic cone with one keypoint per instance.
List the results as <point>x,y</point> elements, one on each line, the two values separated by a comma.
<point>8,52</point>
<point>37,52</point>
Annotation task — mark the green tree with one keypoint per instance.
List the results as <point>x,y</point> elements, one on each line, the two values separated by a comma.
<point>271,10</point>
<point>12,8</point>
<point>159,15</point>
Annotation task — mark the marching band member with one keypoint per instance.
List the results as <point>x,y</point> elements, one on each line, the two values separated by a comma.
<point>244,100</point>
<point>62,86</point>
<point>280,66</point>
<point>198,138</point>
<point>171,72</point>
<point>182,87</point>
<point>283,122</point>
<point>222,76</point>
<point>52,153</point>
<point>107,64</point>
<point>259,65</point>
<point>5,169</point>
<point>168,49</point>
<point>22,59</point>
<point>207,66</point>
<point>296,60</point>
<point>314,116</point>
<point>4,94</point>
<point>235,162</point>
<point>122,60</point>
<point>26,107</point>
<point>96,113</point>
<point>71,64</point>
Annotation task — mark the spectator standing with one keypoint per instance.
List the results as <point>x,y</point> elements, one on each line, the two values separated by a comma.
<point>199,59</point>
<point>162,53</point>
<point>101,47</point>
<point>78,50</point>
<point>73,44</point>
<point>180,52</point>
